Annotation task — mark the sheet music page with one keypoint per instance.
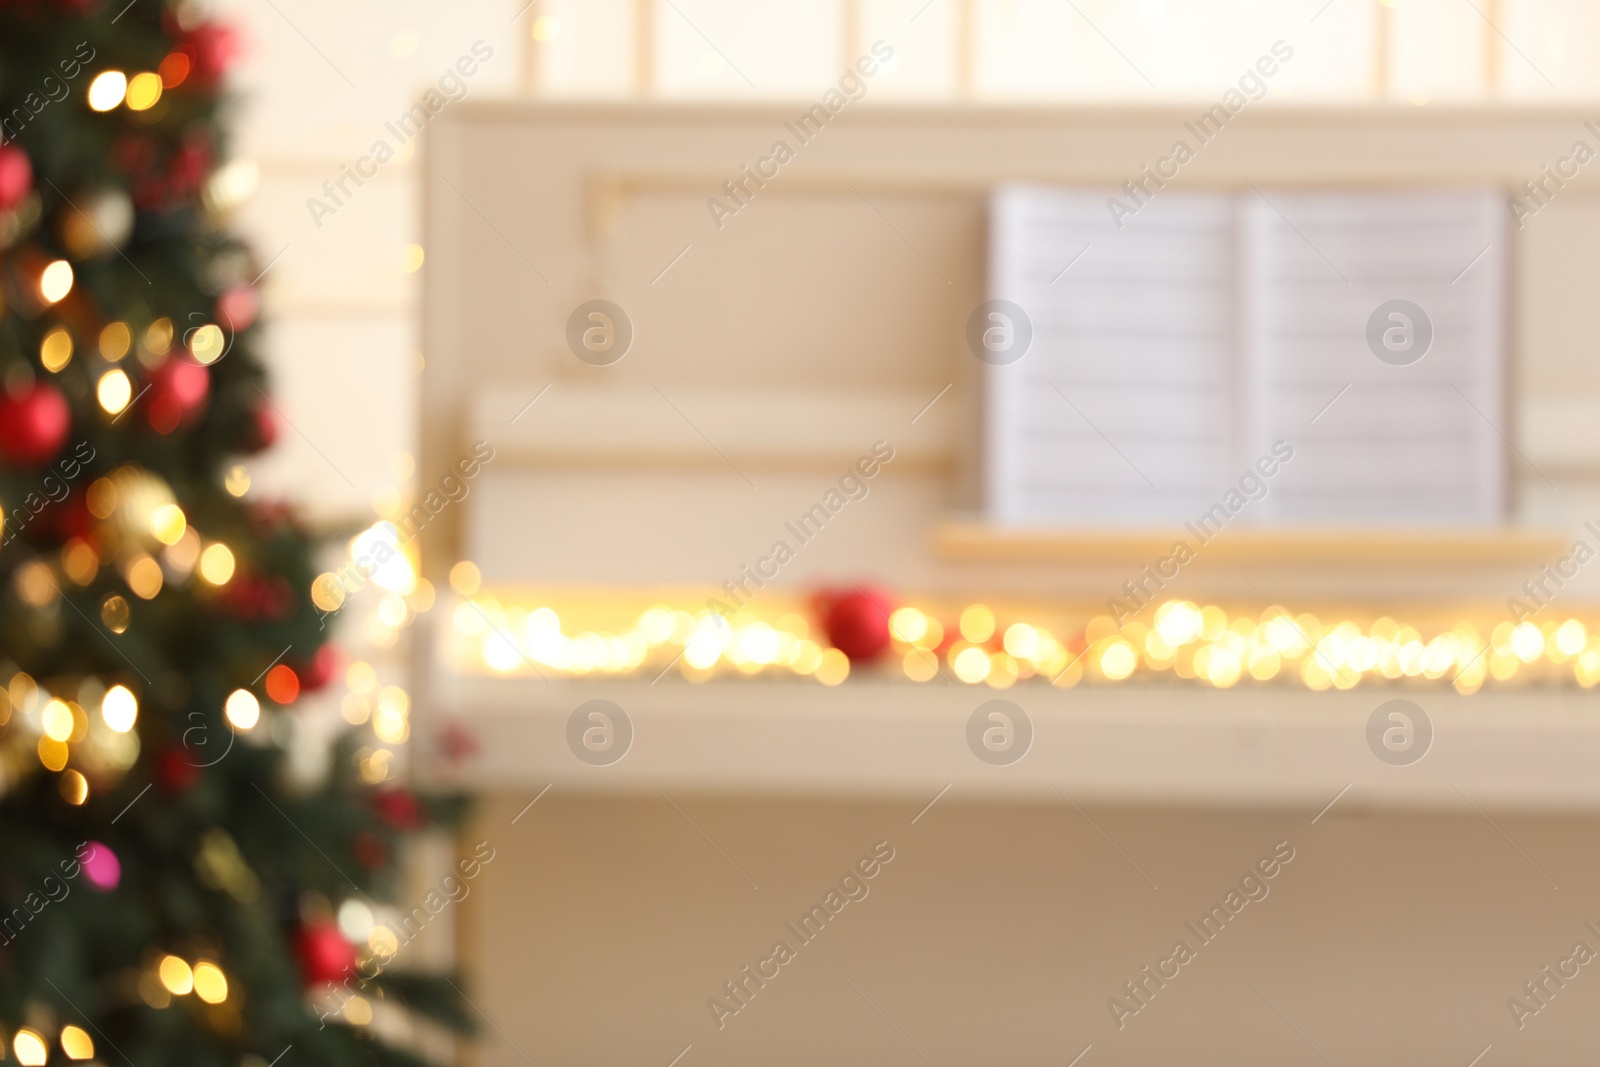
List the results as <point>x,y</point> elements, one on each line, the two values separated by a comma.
<point>1122,410</point>
<point>1374,332</point>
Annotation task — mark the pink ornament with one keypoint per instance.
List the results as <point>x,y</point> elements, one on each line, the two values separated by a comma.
<point>212,48</point>
<point>16,176</point>
<point>33,425</point>
<point>238,307</point>
<point>177,394</point>
<point>263,430</point>
<point>101,867</point>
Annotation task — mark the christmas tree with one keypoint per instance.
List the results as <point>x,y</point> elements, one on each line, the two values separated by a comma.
<point>168,892</point>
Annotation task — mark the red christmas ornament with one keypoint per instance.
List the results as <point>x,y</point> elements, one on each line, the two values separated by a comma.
<point>253,596</point>
<point>150,192</point>
<point>188,166</point>
<point>857,623</point>
<point>320,669</point>
<point>270,516</point>
<point>211,49</point>
<point>174,771</point>
<point>370,850</point>
<point>71,518</point>
<point>16,176</point>
<point>178,390</point>
<point>262,432</point>
<point>133,153</point>
<point>456,743</point>
<point>399,808</point>
<point>33,425</point>
<point>324,954</point>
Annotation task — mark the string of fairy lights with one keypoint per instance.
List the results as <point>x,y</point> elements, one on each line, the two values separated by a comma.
<point>82,730</point>
<point>509,633</point>
<point>980,645</point>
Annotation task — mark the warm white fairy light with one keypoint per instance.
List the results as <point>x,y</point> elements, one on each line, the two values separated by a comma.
<point>379,552</point>
<point>55,281</point>
<point>114,391</point>
<point>242,710</point>
<point>119,708</point>
<point>30,1049</point>
<point>107,90</point>
<point>1204,644</point>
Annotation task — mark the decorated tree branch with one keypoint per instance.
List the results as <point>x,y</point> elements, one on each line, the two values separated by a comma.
<point>169,893</point>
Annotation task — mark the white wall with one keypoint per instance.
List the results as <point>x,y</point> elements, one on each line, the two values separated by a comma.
<point>999,932</point>
<point>316,84</point>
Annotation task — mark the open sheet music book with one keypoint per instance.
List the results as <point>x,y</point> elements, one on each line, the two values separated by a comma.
<point>1170,356</point>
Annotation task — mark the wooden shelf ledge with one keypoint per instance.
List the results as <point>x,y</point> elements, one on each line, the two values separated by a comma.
<point>1532,748</point>
<point>962,541</point>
